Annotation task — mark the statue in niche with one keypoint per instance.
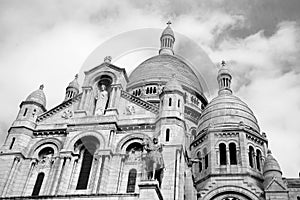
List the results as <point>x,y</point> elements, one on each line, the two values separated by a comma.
<point>154,162</point>
<point>101,100</point>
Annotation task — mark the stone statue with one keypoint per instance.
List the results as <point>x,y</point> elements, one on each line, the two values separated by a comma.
<point>102,98</point>
<point>154,162</point>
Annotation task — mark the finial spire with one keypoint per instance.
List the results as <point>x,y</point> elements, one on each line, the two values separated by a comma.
<point>42,87</point>
<point>167,40</point>
<point>107,59</point>
<point>223,63</point>
<point>224,79</point>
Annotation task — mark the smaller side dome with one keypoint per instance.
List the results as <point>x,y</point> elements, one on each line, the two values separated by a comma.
<point>271,166</point>
<point>173,84</point>
<point>74,83</point>
<point>38,96</point>
<point>72,89</point>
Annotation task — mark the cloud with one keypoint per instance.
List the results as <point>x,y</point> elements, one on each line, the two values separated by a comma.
<point>266,74</point>
<point>47,41</point>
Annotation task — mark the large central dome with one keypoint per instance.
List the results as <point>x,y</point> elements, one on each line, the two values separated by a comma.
<point>161,68</point>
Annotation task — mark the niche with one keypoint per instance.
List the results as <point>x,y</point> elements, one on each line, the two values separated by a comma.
<point>102,94</point>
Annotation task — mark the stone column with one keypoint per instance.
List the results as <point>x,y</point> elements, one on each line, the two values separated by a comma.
<point>74,163</point>
<point>32,166</point>
<point>65,176</point>
<point>57,172</point>
<point>11,175</point>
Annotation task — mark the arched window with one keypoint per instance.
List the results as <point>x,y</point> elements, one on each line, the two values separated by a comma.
<point>12,143</point>
<point>46,152</point>
<point>147,90</point>
<point>170,101</point>
<point>139,91</point>
<point>222,149</point>
<point>87,160</point>
<point>258,156</point>
<point>178,103</point>
<point>232,153</point>
<point>38,184</point>
<point>25,111</point>
<point>167,135</point>
<point>205,158</point>
<point>131,181</point>
<point>154,90</point>
<point>200,161</point>
<point>250,154</point>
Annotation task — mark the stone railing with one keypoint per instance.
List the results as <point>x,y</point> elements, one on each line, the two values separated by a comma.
<point>136,100</point>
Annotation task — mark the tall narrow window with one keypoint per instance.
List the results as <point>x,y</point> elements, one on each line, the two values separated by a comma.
<point>38,184</point>
<point>222,149</point>
<point>170,101</point>
<point>154,90</point>
<point>200,161</point>
<point>12,143</point>
<point>85,170</point>
<point>205,158</point>
<point>150,90</point>
<point>131,181</point>
<point>178,103</point>
<point>167,135</point>
<point>258,156</point>
<point>26,109</point>
<point>147,90</point>
<point>250,154</point>
<point>232,153</point>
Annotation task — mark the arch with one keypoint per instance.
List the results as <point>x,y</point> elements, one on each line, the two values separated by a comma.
<point>128,139</point>
<point>38,184</point>
<point>94,79</point>
<point>232,153</point>
<point>230,189</point>
<point>70,145</point>
<point>131,181</point>
<point>167,135</point>
<point>250,155</point>
<point>46,152</point>
<point>55,143</point>
<point>258,159</point>
<point>222,152</point>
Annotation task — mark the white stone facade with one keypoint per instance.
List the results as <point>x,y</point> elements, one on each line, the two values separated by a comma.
<point>68,152</point>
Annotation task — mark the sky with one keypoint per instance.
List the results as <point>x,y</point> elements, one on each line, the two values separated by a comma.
<point>47,42</point>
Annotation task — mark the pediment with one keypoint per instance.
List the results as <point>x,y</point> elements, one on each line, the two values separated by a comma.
<point>275,185</point>
<point>60,113</point>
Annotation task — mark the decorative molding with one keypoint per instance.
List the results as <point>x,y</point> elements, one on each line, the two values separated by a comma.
<point>136,100</point>
<point>227,134</point>
<point>58,108</point>
<point>50,132</point>
<point>254,139</point>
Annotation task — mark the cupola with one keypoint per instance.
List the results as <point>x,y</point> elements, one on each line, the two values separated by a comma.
<point>167,40</point>
<point>73,89</point>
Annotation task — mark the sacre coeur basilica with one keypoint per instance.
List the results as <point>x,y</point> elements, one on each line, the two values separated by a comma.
<point>152,135</point>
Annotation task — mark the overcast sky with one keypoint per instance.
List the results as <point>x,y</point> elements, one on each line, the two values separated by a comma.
<point>48,42</point>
